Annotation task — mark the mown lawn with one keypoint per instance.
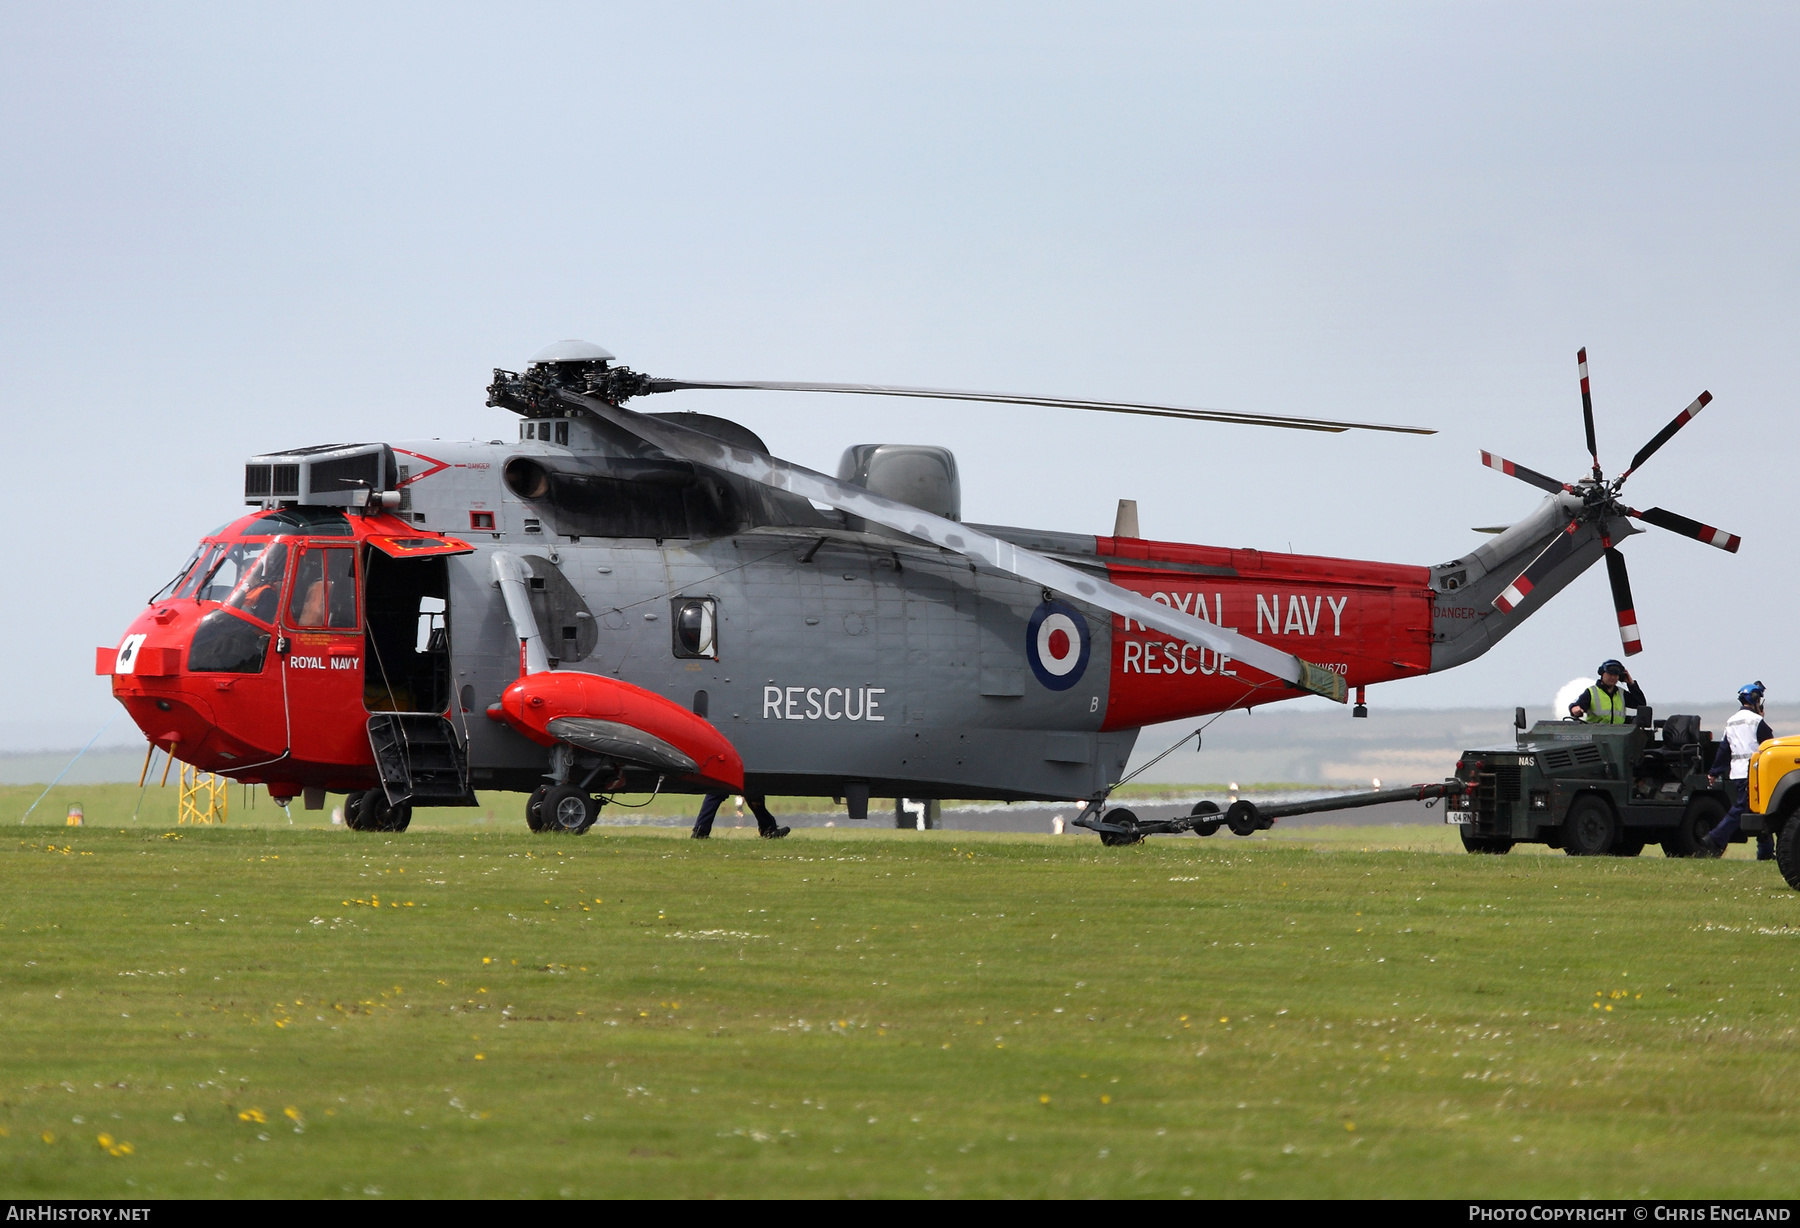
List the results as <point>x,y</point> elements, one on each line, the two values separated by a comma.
<point>264,1010</point>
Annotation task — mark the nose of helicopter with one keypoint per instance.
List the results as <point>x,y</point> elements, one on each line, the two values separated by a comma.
<point>181,712</point>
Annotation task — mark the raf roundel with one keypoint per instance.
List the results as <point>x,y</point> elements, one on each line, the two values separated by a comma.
<point>1057,644</point>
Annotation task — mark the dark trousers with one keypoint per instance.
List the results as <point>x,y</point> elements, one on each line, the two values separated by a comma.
<point>703,822</point>
<point>1734,818</point>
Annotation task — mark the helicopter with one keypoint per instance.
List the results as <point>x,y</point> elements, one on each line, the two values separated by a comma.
<point>627,602</point>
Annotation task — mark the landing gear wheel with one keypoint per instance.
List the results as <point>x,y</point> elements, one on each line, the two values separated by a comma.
<point>370,811</point>
<point>567,810</point>
<point>1701,816</point>
<point>1628,846</point>
<point>1120,839</point>
<point>1591,829</point>
<point>1208,827</point>
<point>1485,844</point>
<point>1787,851</point>
<point>533,806</point>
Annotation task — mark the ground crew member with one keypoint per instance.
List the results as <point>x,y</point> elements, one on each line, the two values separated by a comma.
<point>765,822</point>
<point>1604,703</point>
<point>1744,732</point>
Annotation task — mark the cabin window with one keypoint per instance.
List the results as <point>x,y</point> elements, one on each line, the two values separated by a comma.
<point>695,627</point>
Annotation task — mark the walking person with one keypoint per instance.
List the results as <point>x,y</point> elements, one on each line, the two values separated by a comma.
<point>1744,732</point>
<point>766,827</point>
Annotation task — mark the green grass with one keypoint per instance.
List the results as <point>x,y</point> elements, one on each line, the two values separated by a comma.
<point>265,1010</point>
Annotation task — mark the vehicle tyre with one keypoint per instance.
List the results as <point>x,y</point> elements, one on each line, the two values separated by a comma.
<point>1787,850</point>
<point>1485,844</point>
<point>1120,839</point>
<point>1628,846</point>
<point>1591,828</point>
<point>533,817</point>
<point>377,814</point>
<point>1207,827</point>
<point>1702,815</point>
<point>567,810</point>
<point>356,812</point>
<point>1242,818</point>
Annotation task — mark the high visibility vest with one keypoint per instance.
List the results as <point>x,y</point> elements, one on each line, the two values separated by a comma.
<point>1604,709</point>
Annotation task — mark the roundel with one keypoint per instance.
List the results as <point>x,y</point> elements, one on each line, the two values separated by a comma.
<point>1057,645</point>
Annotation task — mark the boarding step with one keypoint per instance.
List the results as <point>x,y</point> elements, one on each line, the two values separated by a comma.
<point>420,759</point>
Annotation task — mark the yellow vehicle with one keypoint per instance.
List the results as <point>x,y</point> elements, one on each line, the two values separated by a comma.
<point>1775,794</point>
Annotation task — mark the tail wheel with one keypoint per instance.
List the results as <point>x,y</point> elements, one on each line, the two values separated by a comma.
<point>1591,829</point>
<point>1485,844</point>
<point>1787,851</point>
<point>1119,839</point>
<point>1701,816</point>
<point>566,809</point>
<point>1206,826</point>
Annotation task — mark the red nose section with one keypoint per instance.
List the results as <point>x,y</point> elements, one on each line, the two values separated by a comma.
<point>620,721</point>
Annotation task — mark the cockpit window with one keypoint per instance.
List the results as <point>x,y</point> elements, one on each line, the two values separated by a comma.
<point>258,594</point>
<point>324,589</point>
<point>315,521</point>
<point>189,575</point>
<point>225,569</point>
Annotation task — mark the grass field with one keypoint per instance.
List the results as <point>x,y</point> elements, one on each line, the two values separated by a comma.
<point>266,1010</point>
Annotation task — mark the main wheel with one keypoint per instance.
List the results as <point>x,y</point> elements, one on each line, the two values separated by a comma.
<point>1207,827</point>
<point>1119,839</point>
<point>1591,828</point>
<point>1787,851</point>
<point>567,810</point>
<point>1485,844</point>
<point>534,818</point>
<point>370,811</point>
<point>1701,816</point>
<point>356,816</point>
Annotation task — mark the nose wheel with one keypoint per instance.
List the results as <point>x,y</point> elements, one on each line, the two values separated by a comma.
<point>561,808</point>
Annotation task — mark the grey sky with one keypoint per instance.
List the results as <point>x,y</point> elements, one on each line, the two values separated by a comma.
<point>232,229</point>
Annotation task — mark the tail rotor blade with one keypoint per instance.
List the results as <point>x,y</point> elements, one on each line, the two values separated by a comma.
<point>1501,465</point>
<point>1728,542</point>
<point>1667,433</point>
<point>1621,593</point>
<point>1587,409</point>
<point>1535,571</point>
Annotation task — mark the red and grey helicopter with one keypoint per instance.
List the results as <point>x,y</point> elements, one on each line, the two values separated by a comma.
<point>624,601</point>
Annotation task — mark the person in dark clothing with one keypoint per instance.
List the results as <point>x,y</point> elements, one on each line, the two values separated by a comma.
<point>1744,732</point>
<point>1604,703</point>
<point>766,826</point>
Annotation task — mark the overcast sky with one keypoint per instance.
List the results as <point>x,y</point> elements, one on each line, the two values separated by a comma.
<point>233,229</point>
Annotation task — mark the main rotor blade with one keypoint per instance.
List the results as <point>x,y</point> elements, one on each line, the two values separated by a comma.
<point>1728,542</point>
<point>1587,409</point>
<point>1150,409</point>
<point>1502,465</point>
<point>1001,555</point>
<point>1663,436</point>
<point>1559,549</point>
<point>1621,594</point>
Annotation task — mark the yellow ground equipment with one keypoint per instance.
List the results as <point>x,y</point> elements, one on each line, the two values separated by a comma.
<point>203,797</point>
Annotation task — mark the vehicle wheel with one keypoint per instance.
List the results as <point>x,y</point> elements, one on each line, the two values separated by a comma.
<point>567,810</point>
<point>356,814</point>
<point>1787,851</point>
<point>1591,829</point>
<point>1485,844</point>
<point>533,816</point>
<point>1207,827</point>
<point>1701,816</point>
<point>1628,846</point>
<point>1120,839</point>
<point>377,815</point>
<point>1242,818</point>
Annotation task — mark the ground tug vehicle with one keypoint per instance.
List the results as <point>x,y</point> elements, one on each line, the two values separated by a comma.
<point>1593,790</point>
<point>1775,801</point>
